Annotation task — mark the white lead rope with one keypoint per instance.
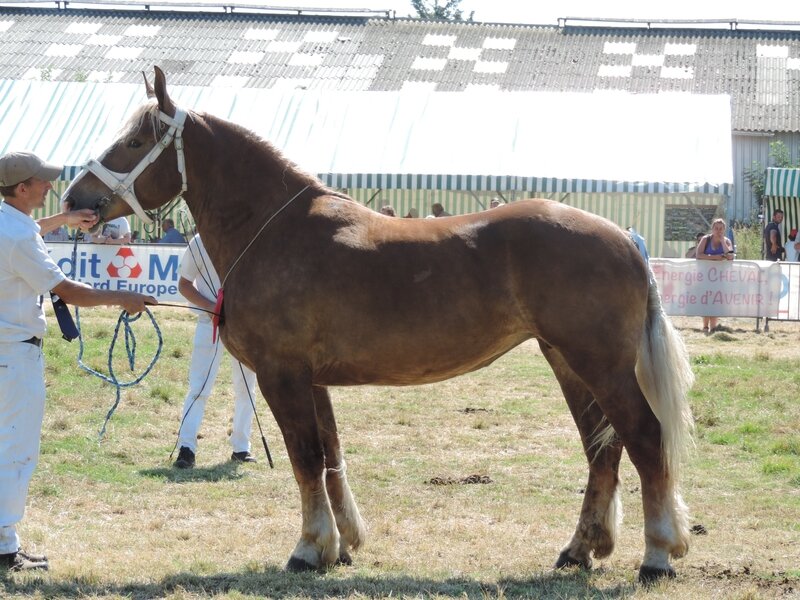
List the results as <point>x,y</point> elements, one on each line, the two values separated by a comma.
<point>255,237</point>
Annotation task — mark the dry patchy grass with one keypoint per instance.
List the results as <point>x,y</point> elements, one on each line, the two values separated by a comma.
<point>119,522</point>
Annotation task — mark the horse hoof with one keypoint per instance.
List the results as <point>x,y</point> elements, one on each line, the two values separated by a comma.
<point>650,575</point>
<point>344,559</point>
<point>298,565</point>
<point>565,561</point>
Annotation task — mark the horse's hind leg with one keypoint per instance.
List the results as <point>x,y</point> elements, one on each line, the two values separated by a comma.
<point>348,519</point>
<point>290,397</point>
<point>601,512</point>
<point>665,515</point>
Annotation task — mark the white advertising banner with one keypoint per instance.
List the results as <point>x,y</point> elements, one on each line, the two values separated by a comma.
<point>738,288</point>
<point>146,268</point>
<point>789,307</point>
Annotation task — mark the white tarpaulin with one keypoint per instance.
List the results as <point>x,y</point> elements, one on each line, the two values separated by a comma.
<point>452,140</point>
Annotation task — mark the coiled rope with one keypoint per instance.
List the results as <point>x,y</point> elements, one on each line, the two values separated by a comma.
<point>130,349</point>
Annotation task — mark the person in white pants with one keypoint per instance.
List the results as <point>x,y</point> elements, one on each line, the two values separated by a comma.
<point>27,272</point>
<point>198,283</point>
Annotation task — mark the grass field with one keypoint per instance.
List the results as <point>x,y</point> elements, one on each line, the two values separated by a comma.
<point>118,522</point>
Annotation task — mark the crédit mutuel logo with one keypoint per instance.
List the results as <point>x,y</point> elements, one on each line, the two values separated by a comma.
<point>146,269</point>
<point>124,265</point>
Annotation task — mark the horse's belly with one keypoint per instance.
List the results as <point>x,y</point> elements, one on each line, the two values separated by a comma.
<point>412,366</point>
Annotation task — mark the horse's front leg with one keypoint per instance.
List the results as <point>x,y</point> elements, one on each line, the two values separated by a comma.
<point>348,519</point>
<point>290,397</point>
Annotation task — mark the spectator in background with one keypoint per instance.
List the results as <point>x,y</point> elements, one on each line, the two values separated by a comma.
<point>714,246</point>
<point>171,235</point>
<point>793,247</point>
<point>58,234</point>
<point>641,245</point>
<point>199,283</point>
<point>439,211</point>
<point>494,203</point>
<point>388,211</point>
<point>116,232</point>
<point>692,252</point>
<point>773,245</point>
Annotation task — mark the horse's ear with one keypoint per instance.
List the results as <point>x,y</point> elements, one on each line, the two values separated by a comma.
<point>148,88</point>
<point>164,101</point>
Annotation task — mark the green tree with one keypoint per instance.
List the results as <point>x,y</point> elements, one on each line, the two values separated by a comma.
<point>448,11</point>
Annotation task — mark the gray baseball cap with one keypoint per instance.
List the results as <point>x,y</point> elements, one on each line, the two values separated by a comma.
<point>19,166</point>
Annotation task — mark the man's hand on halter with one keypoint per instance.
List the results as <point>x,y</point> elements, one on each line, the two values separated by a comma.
<point>84,218</point>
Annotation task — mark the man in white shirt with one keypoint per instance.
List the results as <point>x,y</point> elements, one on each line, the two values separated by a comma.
<point>27,272</point>
<point>199,283</point>
<point>116,232</point>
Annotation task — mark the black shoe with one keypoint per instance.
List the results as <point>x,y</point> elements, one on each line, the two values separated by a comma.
<point>31,557</point>
<point>185,459</point>
<point>243,456</point>
<point>19,561</point>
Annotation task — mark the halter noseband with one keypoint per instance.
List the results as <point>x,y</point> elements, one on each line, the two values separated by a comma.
<point>122,183</point>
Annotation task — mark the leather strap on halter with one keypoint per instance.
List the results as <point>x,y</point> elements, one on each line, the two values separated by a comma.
<point>122,183</point>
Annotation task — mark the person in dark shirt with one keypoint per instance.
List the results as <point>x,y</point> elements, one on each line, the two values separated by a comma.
<point>171,235</point>
<point>773,244</point>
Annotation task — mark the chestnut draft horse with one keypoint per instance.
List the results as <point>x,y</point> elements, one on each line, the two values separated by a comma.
<point>309,276</point>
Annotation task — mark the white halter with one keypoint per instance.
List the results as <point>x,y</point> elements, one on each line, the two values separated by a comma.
<point>122,183</point>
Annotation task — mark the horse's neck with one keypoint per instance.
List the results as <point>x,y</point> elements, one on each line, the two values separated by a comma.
<point>231,199</point>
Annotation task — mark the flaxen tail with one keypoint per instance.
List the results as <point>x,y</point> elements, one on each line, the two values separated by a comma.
<point>665,377</point>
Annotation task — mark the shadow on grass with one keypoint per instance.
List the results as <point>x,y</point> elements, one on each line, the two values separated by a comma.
<point>225,471</point>
<point>275,583</point>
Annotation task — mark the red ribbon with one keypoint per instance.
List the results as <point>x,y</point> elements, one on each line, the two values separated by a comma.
<point>216,316</point>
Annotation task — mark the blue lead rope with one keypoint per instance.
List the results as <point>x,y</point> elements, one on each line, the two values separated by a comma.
<point>130,349</point>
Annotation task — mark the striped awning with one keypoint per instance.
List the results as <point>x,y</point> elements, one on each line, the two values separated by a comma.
<point>782,183</point>
<point>490,183</point>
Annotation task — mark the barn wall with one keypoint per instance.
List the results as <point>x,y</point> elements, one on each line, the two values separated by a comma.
<point>748,149</point>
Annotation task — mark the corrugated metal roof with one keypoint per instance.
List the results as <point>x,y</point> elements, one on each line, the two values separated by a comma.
<point>760,70</point>
<point>445,140</point>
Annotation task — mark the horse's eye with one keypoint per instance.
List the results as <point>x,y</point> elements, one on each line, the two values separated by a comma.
<point>134,143</point>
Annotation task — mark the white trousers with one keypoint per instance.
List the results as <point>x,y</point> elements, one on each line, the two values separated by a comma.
<point>22,395</point>
<point>206,357</point>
